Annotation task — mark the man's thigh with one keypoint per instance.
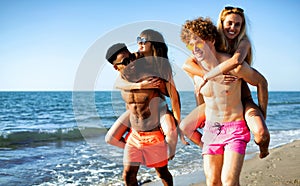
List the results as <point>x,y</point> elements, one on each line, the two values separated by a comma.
<point>213,166</point>
<point>233,163</point>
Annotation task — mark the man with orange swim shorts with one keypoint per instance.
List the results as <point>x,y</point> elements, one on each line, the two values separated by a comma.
<point>145,143</point>
<point>147,148</point>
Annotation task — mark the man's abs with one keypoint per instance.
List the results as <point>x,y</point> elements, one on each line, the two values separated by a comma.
<point>144,106</point>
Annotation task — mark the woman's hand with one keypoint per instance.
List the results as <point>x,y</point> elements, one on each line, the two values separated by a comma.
<point>228,78</point>
<point>199,82</point>
<point>151,83</point>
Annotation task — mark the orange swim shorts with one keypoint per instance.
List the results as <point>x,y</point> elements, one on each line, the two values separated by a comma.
<point>147,148</point>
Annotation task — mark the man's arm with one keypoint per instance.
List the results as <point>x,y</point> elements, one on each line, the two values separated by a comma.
<point>253,77</point>
<point>174,99</point>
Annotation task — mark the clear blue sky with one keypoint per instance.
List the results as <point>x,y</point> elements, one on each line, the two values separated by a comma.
<point>43,42</point>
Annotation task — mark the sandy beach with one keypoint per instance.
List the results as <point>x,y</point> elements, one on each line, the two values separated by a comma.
<point>281,167</point>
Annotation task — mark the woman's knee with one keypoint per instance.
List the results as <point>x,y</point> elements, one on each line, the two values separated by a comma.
<point>108,138</point>
<point>183,126</point>
<point>256,123</point>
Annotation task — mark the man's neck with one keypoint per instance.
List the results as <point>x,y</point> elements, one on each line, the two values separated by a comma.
<point>210,61</point>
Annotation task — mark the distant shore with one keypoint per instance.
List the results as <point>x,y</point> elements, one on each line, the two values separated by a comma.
<point>281,167</point>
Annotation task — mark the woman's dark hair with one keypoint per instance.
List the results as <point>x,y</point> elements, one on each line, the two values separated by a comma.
<point>159,52</point>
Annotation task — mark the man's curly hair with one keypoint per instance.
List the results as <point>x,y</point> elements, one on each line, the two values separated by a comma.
<point>201,27</point>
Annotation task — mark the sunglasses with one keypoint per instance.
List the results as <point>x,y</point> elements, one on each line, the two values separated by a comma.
<point>141,40</point>
<point>191,46</point>
<point>234,8</point>
<point>125,62</point>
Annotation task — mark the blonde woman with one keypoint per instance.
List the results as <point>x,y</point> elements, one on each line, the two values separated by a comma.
<point>225,134</point>
<point>232,40</point>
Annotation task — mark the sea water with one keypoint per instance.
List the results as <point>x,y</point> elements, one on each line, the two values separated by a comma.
<point>57,138</point>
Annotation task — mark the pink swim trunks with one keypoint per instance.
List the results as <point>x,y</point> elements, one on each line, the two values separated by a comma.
<point>147,148</point>
<point>232,136</point>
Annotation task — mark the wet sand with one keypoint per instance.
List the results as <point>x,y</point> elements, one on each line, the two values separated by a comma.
<point>281,167</point>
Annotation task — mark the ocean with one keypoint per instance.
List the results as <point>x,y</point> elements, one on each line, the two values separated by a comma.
<point>57,138</point>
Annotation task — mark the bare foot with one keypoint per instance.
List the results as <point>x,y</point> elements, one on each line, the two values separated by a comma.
<point>263,148</point>
<point>172,152</point>
<point>264,152</point>
<point>182,139</point>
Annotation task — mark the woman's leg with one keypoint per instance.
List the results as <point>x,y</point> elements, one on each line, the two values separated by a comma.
<point>255,121</point>
<point>115,134</point>
<point>258,127</point>
<point>232,167</point>
<point>170,131</point>
<point>212,165</point>
<point>192,122</point>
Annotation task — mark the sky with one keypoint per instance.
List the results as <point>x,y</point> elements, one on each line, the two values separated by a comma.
<point>60,44</point>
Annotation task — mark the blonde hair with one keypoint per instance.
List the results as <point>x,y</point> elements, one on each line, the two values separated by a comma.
<point>223,45</point>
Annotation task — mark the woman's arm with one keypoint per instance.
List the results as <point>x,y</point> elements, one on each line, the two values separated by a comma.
<point>237,58</point>
<point>176,106</point>
<point>126,85</point>
<point>148,83</point>
<point>174,99</point>
<point>192,68</point>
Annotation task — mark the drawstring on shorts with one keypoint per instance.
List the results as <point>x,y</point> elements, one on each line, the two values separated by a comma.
<point>219,126</point>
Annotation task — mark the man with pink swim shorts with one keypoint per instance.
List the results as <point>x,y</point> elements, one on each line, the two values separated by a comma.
<point>217,137</point>
<point>225,134</point>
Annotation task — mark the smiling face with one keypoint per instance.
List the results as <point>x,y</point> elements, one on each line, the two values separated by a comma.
<point>232,25</point>
<point>199,35</point>
<point>144,46</point>
<point>196,45</point>
<point>118,65</point>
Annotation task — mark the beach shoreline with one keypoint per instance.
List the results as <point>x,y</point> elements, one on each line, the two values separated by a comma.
<point>43,149</point>
<point>281,167</point>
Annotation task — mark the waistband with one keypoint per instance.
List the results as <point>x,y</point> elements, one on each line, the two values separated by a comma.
<point>152,131</point>
<point>229,124</point>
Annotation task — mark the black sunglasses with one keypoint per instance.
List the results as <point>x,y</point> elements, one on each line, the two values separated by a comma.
<point>232,8</point>
<point>141,40</point>
<point>125,62</point>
